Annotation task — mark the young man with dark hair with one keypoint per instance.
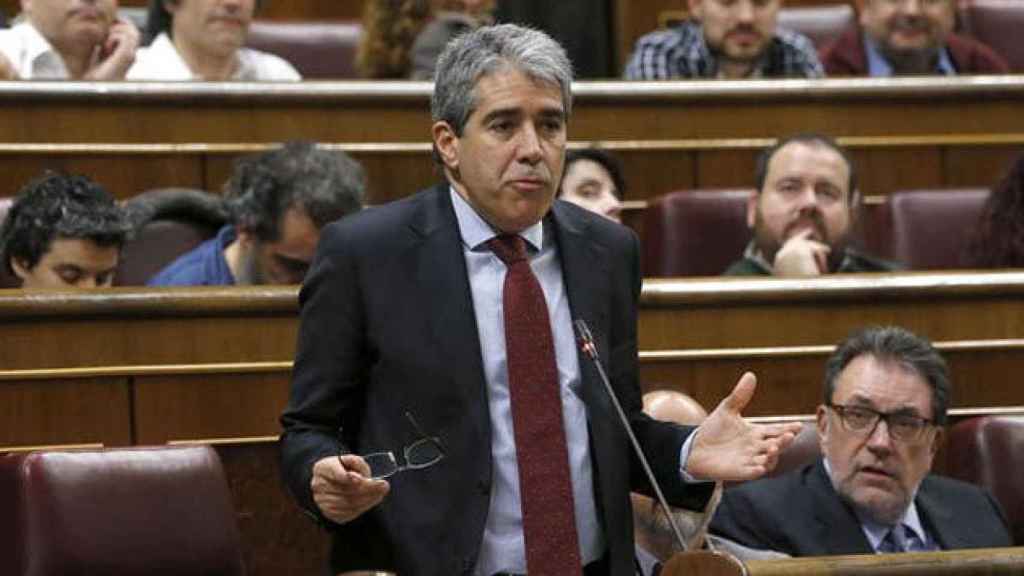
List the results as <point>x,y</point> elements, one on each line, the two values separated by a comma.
<point>63,231</point>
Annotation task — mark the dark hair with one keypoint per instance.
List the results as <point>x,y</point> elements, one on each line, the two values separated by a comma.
<point>998,237</point>
<point>601,156</point>
<point>325,184</point>
<point>158,19</point>
<point>894,344</point>
<point>390,28</point>
<point>809,139</point>
<point>57,205</point>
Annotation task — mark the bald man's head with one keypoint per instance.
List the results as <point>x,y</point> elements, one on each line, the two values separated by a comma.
<point>672,406</point>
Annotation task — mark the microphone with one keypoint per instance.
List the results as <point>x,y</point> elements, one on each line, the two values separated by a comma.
<point>586,342</point>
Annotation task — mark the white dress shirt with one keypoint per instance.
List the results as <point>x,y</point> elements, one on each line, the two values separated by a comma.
<point>160,61</point>
<point>32,55</point>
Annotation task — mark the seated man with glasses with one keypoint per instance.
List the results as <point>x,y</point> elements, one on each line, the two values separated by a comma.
<point>886,393</point>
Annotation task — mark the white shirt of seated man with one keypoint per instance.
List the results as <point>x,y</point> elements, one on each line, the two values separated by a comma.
<point>204,41</point>
<point>68,39</point>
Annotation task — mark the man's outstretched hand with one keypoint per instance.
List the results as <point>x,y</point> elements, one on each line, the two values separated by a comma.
<point>727,447</point>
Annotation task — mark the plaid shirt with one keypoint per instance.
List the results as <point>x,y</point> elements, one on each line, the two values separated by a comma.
<point>681,52</point>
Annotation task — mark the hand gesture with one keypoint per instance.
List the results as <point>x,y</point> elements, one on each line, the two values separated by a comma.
<point>727,447</point>
<point>342,487</point>
<point>802,256</point>
<point>112,58</point>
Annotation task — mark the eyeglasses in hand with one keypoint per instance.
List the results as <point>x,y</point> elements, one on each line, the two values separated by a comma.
<point>423,453</point>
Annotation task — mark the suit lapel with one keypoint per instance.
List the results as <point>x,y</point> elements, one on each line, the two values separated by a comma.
<point>837,526</point>
<point>939,520</point>
<point>442,283</point>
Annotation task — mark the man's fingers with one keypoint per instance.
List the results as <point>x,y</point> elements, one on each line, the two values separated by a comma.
<point>742,393</point>
<point>355,463</point>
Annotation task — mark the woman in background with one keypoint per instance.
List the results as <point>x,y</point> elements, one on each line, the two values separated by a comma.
<point>998,238</point>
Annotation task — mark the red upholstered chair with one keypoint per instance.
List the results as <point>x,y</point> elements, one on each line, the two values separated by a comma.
<point>822,24</point>
<point>989,451</point>
<point>695,232</point>
<point>930,228</point>
<point>117,512</point>
<point>316,49</point>
<point>997,23</point>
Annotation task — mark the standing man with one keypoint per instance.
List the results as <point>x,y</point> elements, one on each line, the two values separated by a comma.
<point>204,40</point>
<point>729,39</point>
<point>68,39</point>
<point>885,400</point>
<point>908,37</point>
<point>803,212</point>
<point>439,328</point>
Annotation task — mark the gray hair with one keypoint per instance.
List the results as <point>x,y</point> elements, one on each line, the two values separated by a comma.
<point>894,344</point>
<point>490,49</point>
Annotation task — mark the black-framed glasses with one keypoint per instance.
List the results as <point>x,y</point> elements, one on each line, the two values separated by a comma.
<point>423,453</point>
<point>903,427</point>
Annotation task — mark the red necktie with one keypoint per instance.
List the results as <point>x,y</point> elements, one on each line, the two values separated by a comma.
<point>545,486</point>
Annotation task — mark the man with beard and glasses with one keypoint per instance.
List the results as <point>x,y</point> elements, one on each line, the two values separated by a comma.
<point>68,40</point>
<point>278,201</point>
<point>204,40</point>
<point>725,39</point>
<point>803,211</point>
<point>885,398</point>
<point>908,37</point>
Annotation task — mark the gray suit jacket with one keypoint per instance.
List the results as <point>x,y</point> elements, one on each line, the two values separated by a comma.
<point>387,325</point>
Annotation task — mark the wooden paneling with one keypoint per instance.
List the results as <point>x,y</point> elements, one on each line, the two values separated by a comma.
<point>59,411</point>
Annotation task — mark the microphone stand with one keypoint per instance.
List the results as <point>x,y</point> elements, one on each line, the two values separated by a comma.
<point>586,342</point>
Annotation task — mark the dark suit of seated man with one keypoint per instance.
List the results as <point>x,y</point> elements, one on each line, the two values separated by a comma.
<point>886,392</point>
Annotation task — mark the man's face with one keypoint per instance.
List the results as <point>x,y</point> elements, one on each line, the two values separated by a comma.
<point>71,263</point>
<point>738,30</point>
<point>508,161</point>
<point>901,27</point>
<point>70,23</point>
<point>873,471</point>
<point>212,26</point>
<point>285,260</point>
<point>806,186</point>
<point>588,184</point>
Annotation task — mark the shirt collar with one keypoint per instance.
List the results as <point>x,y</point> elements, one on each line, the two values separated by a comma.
<point>38,47</point>
<point>878,66</point>
<point>475,231</point>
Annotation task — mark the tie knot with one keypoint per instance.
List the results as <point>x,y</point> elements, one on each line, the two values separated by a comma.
<point>510,248</point>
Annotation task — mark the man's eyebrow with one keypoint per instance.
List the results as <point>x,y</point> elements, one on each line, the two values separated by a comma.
<point>501,113</point>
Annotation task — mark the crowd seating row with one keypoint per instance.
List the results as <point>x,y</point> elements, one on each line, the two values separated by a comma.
<point>701,232</point>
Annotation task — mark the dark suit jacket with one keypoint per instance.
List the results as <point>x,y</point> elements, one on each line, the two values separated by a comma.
<point>847,56</point>
<point>387,325</point>
<point>799,513</point>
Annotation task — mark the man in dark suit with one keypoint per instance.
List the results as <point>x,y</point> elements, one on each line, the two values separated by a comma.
<point>886,393</point>
<point>443,322</point>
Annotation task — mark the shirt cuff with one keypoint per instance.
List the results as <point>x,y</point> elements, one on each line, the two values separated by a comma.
<point>684,456</point>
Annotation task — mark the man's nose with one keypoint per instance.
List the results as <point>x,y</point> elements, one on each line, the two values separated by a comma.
<point>745,11</point>
<point>529,150</point>
<point>911,7</point>
<point>880,440</point>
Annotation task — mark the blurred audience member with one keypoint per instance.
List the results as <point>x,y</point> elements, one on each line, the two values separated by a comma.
<point>203,40</point>
<point>63,232</point>
<point>998,238</point>
<point>403,38</point>
<point>593,179</point>
<point>279,200</point>
<point>68,39</point>
<point>725,39</point>
<point>803,212</point>
<point>908,37</point>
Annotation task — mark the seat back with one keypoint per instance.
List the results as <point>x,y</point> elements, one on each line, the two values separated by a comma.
<point>695,232</point>
<point>316,49</point>
<point>118,512</point>
<point>931,228</point>
<point>156,244</point>
<point>804,450</point>
<point>997,23</point>
<point>989,451</point>
<point>822,24</point>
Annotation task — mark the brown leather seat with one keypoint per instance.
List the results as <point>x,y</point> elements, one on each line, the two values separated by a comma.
<point>997,23</point>
<point>118,512</point>
<point>989,451</point>
<point>822,24</point>
<point>316,49</point>
<point>695,232</point>
<point>930,228</point>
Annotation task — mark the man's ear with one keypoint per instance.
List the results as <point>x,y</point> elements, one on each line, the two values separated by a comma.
<point>21,268</point>
<point>447,144</point>
<point>696,8</point>
<point>26,6</point>
<point>861,6</point>
<point>752,209</point>
<point>170,5</point>
<point>940,436</point>
<point>822,422</point>
<point>244,237</point>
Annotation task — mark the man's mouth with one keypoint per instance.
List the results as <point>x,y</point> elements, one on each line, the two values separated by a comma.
<point>876,472</point>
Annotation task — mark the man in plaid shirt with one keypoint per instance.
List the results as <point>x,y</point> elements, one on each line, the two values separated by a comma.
<point>725,39</point>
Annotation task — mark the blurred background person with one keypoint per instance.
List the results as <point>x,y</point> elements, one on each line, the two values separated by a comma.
<point>204,40</point>
<point>998,238</point>
<point>63,232</point>
<point>593,180</point>
<point>68,39</point>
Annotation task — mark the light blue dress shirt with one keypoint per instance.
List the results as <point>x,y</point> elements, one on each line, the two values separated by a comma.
<point>879,67</point>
